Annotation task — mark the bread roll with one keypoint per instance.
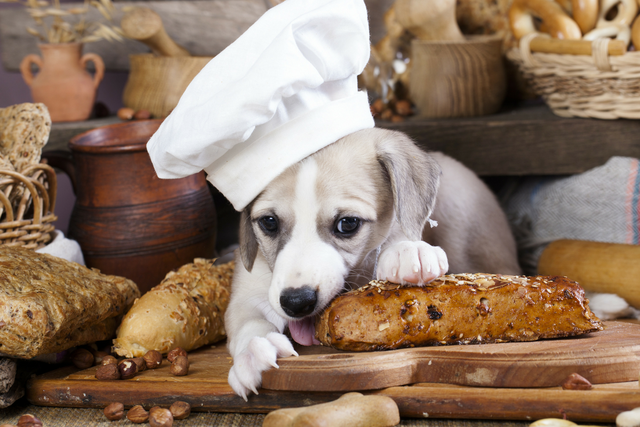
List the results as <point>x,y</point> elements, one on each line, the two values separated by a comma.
<point>456,309</point>
<point>48,304</point>
<point>24,130</point>
<point>186,310</point>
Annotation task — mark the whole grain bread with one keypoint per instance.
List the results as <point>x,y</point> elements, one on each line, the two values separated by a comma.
<point>48,304</point>
<point>24,130</point>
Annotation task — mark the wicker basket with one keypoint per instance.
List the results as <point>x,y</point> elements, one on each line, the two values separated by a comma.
<point>598,86</point>
<point>28,201</point>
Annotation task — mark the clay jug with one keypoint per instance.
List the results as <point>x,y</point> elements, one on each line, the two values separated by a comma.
<point>63,84</point>
<point>128,221</point>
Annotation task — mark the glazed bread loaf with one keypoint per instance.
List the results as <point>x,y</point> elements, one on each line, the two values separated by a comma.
<point>456,309</point>
<point>48,304</point>
<point>186,310</point>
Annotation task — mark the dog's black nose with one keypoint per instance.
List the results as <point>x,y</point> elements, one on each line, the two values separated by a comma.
<point>298,302</point>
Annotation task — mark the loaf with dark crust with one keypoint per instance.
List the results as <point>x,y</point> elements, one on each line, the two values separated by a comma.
<point>456,309</point>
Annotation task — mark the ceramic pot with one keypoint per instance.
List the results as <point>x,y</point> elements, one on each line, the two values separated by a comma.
<point>128,221</point>
<point>62,83</point>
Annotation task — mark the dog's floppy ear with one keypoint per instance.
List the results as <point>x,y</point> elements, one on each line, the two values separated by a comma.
<point>248,241</point>
<point>414,176</point>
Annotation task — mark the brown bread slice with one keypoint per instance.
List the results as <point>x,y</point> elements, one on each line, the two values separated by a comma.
<point>456,309</point>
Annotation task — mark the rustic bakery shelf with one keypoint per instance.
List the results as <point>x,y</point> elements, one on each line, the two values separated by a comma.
<point>519,140</point>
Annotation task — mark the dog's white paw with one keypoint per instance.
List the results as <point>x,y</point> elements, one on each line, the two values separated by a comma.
<point>412,262</point>
<point>260,355</point>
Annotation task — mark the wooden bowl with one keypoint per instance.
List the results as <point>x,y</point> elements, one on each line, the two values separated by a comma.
<point>156,83</point>
<point>457,78</point>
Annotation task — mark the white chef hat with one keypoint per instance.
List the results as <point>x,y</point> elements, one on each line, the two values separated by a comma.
<point>283,90</point>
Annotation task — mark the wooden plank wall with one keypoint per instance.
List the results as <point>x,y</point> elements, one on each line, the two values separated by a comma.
<point>204,27</point>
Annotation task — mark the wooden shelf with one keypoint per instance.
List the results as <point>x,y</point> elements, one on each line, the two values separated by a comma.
<point>524,140</point>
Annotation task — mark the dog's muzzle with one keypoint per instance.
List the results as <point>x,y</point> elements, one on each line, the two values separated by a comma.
<point>298,302</point>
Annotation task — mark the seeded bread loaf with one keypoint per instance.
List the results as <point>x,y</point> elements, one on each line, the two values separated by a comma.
<point>456,309</point>
<point>186,310</point>
<point>48,304</point>
<point>24,130</point>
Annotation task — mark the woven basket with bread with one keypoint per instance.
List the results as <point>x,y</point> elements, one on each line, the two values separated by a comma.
<point>580,55</point>
<point>27,187</point>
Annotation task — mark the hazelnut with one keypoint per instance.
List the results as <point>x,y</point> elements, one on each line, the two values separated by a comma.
<point>153,359</point>
<point>180,410</point>
<point>128,369</point>
<point>126,113</point>
<point>109,360</point>
<point>114,411</point>
<point>142,115</point>
<point>377,107</point>
<point>108,372</point>
<point>576,382</point>
<point>171,356</point>
<point>28,420</point>
<point>386,114</point>
<point>141,365</point>
<point>137,415</point>
<point>180,366</point>
<point>99,357</point>
<point>160,417</point>
<point>403,107</point>
<point>82,358</point>
<point>397,119</point>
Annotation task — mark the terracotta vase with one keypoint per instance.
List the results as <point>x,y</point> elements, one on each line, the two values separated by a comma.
<point>63,84</point>
<point>128,221</point>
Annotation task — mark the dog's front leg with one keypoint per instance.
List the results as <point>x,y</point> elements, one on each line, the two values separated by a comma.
<point>410,262</point>
<point>254,330</point>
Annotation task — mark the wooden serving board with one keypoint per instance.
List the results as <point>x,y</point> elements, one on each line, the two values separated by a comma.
<point>206,388</point>
<point>608,356</point>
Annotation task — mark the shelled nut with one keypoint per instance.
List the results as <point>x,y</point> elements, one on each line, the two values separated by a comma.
<point>109,360</point>
<point>108,372</point>
<point>576,382</point>
<point>180,366</point>
<point>141,365</point>
<point>142,115</point>
<point>114,411</point>
<point>180,410</point>
<point>128,369</point>
<point>138,415</point>
<point>153,359</point>
<point>99,357</point>
<point>126,113</point>
<point>175,353</point>
<point>160,417</point>
<point>28,420</point>
<point>82,358</point>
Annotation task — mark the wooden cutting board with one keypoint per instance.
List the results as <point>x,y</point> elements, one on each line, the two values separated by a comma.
<point>597,357</point>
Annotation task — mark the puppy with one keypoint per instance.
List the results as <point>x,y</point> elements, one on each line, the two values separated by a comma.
<point>351,212</point>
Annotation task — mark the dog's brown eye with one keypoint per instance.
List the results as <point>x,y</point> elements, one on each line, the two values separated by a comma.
<point>347,226</point>
<point>269,224</point>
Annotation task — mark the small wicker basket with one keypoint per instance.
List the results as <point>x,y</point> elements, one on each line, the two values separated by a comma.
<point>598,86</point>
<point>28,201</point>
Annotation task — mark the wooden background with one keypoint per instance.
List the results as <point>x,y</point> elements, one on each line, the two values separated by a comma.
<point>204,27</point>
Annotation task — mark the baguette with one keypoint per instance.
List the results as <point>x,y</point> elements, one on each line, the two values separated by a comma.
<point>456,309</point>
<point>48,304</point>
<point>185,310</point>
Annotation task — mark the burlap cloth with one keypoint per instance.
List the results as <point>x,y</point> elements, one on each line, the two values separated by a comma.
<point>72,417</point>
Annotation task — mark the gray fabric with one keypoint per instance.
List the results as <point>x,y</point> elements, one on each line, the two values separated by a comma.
<point>598,205</point>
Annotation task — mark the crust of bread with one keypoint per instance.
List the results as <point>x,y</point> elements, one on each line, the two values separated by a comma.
<point>48,304</point>
<point>456,309</point>
<point>185,310</point>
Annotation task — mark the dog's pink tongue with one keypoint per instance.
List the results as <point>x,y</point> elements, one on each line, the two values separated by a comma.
<point>304,331</point>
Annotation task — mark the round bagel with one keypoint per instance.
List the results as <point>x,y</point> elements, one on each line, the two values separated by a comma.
<point>585,13</point>
<point>620,32</point>
<point>627,11</point>
<point>555,21</point>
